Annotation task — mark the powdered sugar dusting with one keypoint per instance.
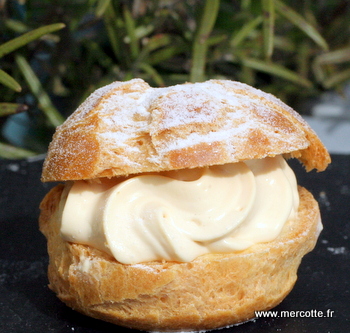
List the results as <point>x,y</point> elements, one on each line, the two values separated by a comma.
<point>136,126</point>
<point>184,104</point>
<point>127,115</point>
<point>223,115</point>
<point>92,100</point>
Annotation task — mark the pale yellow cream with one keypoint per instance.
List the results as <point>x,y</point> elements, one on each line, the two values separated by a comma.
<point>180,215</point>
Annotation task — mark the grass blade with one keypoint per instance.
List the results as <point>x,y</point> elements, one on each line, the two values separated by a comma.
<point>164,54</point>
<point>276,70</point>
<point>301,23</point>
<point>153,73</point>
<point>214,40</point>
<point>9,81</point>
<point>131,32</point>
<point>16,26</point>
<point>303,59</point>
<point>158,41</point>
<point>11,108</point>
<point>102,6</point>
<point>35,86</point>
<point>12,152</point>
<point>268,26</point>
<point>245,31</point>
<point>336,79</point>
<point>334,57</point>
<point>318,71</point>
<point>161,47</point>
<point>113,32</point>
<point>28,37</point>
<point>199,50</point>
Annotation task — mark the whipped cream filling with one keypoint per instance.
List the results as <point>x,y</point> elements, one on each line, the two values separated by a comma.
<point>180,215</point>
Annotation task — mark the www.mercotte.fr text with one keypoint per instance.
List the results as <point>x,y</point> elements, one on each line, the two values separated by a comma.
<point>295,314</point>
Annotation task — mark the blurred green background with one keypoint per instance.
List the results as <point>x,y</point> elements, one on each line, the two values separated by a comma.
<point>53,54</point>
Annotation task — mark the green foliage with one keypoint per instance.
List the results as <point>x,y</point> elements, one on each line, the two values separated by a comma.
<point>53,54</point>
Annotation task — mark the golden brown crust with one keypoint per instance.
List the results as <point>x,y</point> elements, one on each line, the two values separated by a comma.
<point>212,291</point>
<point>129,127</point>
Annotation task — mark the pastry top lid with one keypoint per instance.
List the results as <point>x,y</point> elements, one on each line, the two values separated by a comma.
<point>129,127</point>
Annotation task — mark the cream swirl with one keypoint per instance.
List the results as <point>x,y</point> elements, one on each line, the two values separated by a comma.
<point>180,215</point>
